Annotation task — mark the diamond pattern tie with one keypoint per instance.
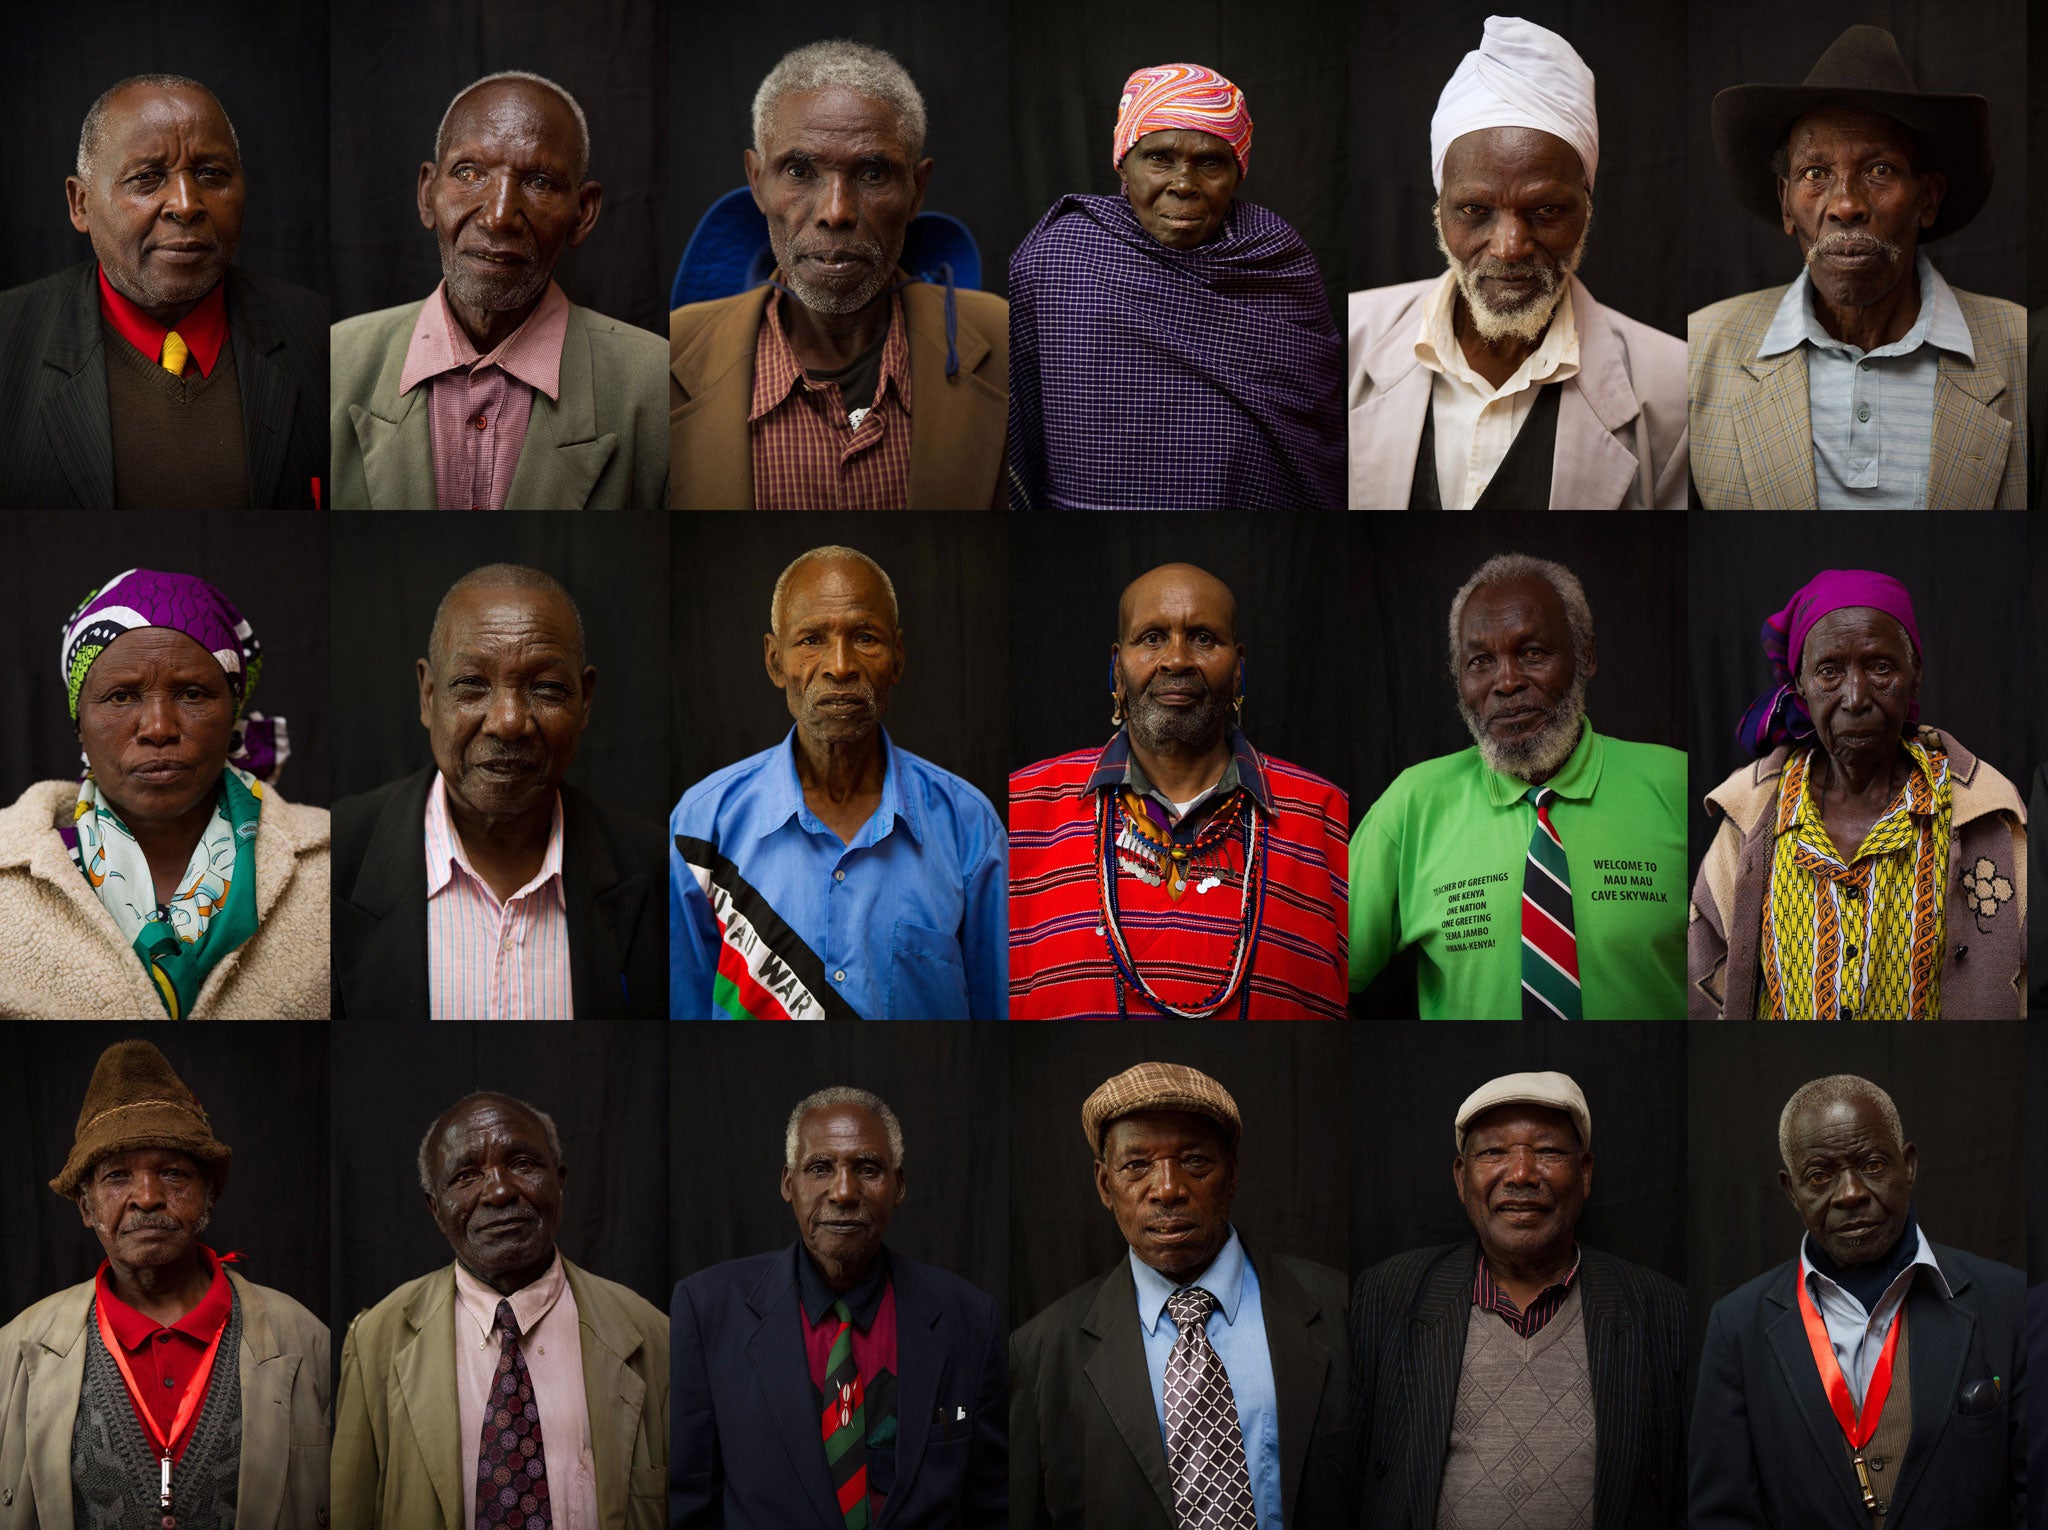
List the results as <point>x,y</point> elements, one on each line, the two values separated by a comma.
<point>511,1471</point>
<point>1212,1485</point>
<point>845,1425</point>
<point>1550,949</point>
<point>176,353</point>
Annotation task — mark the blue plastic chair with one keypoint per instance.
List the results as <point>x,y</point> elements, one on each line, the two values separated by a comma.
<point>729,252</point>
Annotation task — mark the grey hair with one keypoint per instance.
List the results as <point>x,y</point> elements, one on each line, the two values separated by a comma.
<point>96,115</point>
<point>854,66</point>
<point>1836,1089</point>
<point>575,107</point>
<point>503,576</point>
<point>843,1094</point>
<point>547,1125</point>
<point>1505,567</point>
<point>830,551</point>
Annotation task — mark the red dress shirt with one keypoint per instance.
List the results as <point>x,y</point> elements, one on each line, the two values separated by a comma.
<point>204,330</point>
<point>163,1360</point>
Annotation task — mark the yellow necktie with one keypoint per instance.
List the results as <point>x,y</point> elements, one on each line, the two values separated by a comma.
<point>176,353</point>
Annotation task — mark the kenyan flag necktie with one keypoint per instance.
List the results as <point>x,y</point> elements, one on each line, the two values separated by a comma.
<point>1550,950</point>
<point>845,1424</point>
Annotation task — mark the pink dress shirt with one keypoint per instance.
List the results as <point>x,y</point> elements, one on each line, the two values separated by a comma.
<point>488,960</point>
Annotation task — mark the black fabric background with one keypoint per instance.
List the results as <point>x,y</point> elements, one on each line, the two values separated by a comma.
<point>390,572</point>
<point>1401,59</point>
<point>1292,1167</point>
<point>1967,574</point>
<point>264,1088</point>
<point>733,1088</point>
<point>274,569</point>
<point>1067,570</point>
<point>396,66</point>
<point>2037,146</point>
<point>1068,63</point>
<point>268,66</point>
<point>956,54</point>
<point>2037,1184</point>
<point>1958,1088</point>
<point>1949,48</point>
<point>951,574</point>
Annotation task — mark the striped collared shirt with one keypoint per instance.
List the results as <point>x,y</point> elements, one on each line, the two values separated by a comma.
<point>806,454</point>
<point>1488,1294</point>
<point>488,960</point>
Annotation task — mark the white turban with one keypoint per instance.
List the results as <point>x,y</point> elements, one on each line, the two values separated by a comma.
<point>1522,75</point>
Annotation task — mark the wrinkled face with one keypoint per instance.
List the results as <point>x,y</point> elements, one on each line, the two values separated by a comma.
<point>1168,1177</point>
<point>156,718</point>
<point>1851,1180</point>
<point>1858,678</point>
<point>497,1190</point>
<point>1851,198</point>
<point>164,203</point>
<point>1519,686</point>
<point>842,1189</point>
<point>838,655</point>
<point>836,181</point>
<point>148,1207</point>
<point>1179,661</point>
<point>1524,1179</point>
<point>1512,221</point>
<point>1179,183</point>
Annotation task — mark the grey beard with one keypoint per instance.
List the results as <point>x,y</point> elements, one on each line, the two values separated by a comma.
<point>1162,729</point>
<point>491,297</point>
<point>1541,755</point>
<point>824,299</point>
<point>1528,322</point>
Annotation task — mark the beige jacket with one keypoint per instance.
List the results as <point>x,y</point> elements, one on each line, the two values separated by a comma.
<point>285,1411</point>
<point>66,959</point>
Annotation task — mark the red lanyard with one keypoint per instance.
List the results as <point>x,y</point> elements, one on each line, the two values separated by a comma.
<point>187,1415</point>
<point>1857,1429</point>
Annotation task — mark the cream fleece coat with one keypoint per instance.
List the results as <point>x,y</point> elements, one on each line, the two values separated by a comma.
<point>62,957</point>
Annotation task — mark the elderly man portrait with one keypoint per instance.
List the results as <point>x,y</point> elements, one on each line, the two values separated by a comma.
<point>496,392</point>
<point>843,382</point>
<point>167,1390</point>
<point>1501,383</point>
<point>1201,1380</point>
<point>485,886</point>
<point>513,1385</point>
<point>836,875</point>
<point>1869,382</point>
<point>902,1360</point>
<point>1173,343</point>
<point>1877,1378</point>
<point>1865,867</point>
<point>1539,874</point>
<point>158,375</point>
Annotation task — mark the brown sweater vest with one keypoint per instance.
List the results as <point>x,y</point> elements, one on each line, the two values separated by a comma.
<point>1886,1452</point>
<point>177,440</point>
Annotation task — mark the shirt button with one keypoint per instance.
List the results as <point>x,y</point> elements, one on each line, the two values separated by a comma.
<point>1849,949</point>
<point>1862,411</point>
<point>480,422</point>
<point>839,976</point>
<point>163,1338</point>
<point>167,1381</point>
<point>839,876</point>
<point>508,943</point>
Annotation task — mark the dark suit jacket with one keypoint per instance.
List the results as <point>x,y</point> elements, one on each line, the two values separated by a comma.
<point>2037,1420</point>
<point>1408,1322</point>
<point>1766,1450</point>
<point>745,1453</point>
<point>614,868</point>
<point>1084,1433</point>
<point>57,437</point>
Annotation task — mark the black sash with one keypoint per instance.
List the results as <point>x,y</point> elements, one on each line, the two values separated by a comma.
<point>1522,481</point>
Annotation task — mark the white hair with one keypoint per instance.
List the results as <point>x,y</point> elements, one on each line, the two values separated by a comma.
<point>855,66</point>
<point>1836,1089</point>
<point>830,552</point>
<point>96,115</point>
<point>842,1094</point>
<point>575,107</point>
<point>1507,567</point>
<point>547,1125</point>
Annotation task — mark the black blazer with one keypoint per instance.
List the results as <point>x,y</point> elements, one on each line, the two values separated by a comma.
<point>57,437</point>
<point>744,1449</point>
<point>1409,1317</point>
<point>1766,1450</point>
<point>614,869</point>
<point>2037,1419</point>
<point>1084,1434</point>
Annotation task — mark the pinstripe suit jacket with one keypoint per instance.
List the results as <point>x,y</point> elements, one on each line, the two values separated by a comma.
<point>1408,1321</point>
<point>1752,438</point>
<point>57,437</point>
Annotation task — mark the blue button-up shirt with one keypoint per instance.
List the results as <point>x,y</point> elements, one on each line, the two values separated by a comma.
<point>1237,1331</point>
<point>771,913</point>
<point>1857,1335</point>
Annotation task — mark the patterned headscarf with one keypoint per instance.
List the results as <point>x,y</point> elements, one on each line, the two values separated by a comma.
<point>1182,96</point>
<point>1778,716</point>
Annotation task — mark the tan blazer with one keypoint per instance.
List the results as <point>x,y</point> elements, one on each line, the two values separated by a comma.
<point>397,1461</point>
<point>958,424</point>
<point>282,1484</point>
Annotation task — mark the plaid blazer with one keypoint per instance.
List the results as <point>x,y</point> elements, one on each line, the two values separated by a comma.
<point>1752,441</point>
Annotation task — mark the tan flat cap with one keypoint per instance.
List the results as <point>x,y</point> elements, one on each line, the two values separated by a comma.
<point>137,1100</point>
<point>1158,1086</point>
<point>1554,1090</point>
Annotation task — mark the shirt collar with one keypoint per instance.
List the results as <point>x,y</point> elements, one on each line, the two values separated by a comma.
<point>862,1302</point>
<point>1940,324</point>
<point>786,799</point>
<point>1575,781</point>
<point>532,352</point>
<point>445,849</point>
<point>1224,1280</point>
<point>1919,792</point>
<point>778,373</point>
<point>530,1303</point>
<point>134,1329</point>
<point>1555,359</point>
<point>204,330</point>
<point>1115,767</point>
<point>1923,1257</point>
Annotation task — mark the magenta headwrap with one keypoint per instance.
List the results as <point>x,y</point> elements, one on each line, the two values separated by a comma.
<point>1779,716</point>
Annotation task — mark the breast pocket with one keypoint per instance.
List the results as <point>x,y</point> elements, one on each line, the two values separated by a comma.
<point>927,974</point>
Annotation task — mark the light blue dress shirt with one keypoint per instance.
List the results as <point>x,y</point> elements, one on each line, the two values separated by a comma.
<point>1237,1331</point>
<point>1858,1336</point>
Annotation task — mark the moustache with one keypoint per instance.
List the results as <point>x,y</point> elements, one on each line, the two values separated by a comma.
<point>147,1221</point>
<point>1853,241</point>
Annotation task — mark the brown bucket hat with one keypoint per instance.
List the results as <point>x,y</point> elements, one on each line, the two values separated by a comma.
<point>136,1100</point>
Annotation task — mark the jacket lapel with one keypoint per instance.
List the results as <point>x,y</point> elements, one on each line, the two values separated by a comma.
<point>425,1370</point>
<point>56,1374</point>
<point>1300,1367</point>
<point>614,1394</point>
<point>1786,1334</point>
<point>1117,1372</point>
<point>1971,438</point>
<point>387,908</point>
<point>958,423</point>
<point>1775,433</point>
<point>1939,1329</point>
<point>268,396</point>
<point>920,1363</point>
<point>267,1376</point>
<point>1386,429</point>
<point>75,413</point>
<point>392,432</point>
<point>601,907</point>
<point>782,1372</point>
<point>563,455</point>
<point>1591,469</point>
<point>1437,1347</point>
<point>1614,1364</point>
<point>714,369</point>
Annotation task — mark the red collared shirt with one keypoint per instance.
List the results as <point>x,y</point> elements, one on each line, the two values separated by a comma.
<point>806,456</point>
<point>164,1360</point>
<point>204,330</point>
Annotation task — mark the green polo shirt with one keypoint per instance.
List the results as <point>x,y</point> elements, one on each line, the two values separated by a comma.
<point>1438,862</point>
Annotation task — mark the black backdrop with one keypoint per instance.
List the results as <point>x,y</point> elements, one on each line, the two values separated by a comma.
<point>2037,1184</point>
<point>1068,63</point>
<point>1958,1088</point>
<point>390,572</point>
<point>1401,59</point>
<point>733,1087</point>
<point>274,569</point>
<point>952,584</point>
<point>265,1089</point>
<point>397,64</point>
<point>956,53</point>
<point>1968,577</point>
<point>268,66</point>
<point>1948,46</point>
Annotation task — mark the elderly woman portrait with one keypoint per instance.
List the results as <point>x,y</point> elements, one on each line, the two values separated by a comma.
<point>172,881</point>
<point>1867,867</point>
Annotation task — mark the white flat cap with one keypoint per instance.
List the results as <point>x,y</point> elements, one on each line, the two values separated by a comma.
<point>1555,1091</point>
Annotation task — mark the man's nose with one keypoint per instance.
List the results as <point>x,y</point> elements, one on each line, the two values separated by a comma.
<point>1521,1167</point>
<point>181,197</point>
<point>845,1188</point>
<point>1846,201</point>
<point>1169,1181</point>
<point>501,202</point>
<point>838,206</point>
<point>1510,239</point>
<point>839,658</point>
<point>507,715</point>
<point>1509,677</point>
<point>1850,1190</point>
<point>498,1186</point>
<point>147,1191</point>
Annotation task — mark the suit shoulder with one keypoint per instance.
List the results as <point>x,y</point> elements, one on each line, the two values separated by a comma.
<point>624,1300</point>
<point>1651,1285</point>
<point>984,310</point>
<point>728,1280</point>
<point>1376,310</point>
<point>352,820</point>
<point>1731,329</point>
<point>622,826</point>
<point>628,341</point>
<point>950,1289</point>
<point>1328,1286</point>
<point>279,1308</point>
<point>1401,1274</point>
<point>32,299</point>
<point>53,1311</point>
<point>2002,1280</point>
<point>1744,1300</point>
<point>693,319</point>
<point>374,329</point>
<point>1060,1319</point>
<point>377,1326</point>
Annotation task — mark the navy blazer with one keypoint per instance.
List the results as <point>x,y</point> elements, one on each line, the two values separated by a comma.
<point>744,1450</point>
<point>2037,1421</point>
<point>1767,1451</point>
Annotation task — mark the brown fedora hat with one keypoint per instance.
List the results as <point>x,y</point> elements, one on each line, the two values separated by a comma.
<point>1862,70</point>
<point>136,1100</point>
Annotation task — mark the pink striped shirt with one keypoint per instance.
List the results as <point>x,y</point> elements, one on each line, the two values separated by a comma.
<point>488,960</point>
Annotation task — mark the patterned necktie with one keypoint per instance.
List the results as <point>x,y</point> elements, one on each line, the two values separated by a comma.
<point>511,1471</point>
<point>1550,951</point>
<point>845,1424</point>
<point>1212,1485</point>
<point>176,353</point>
